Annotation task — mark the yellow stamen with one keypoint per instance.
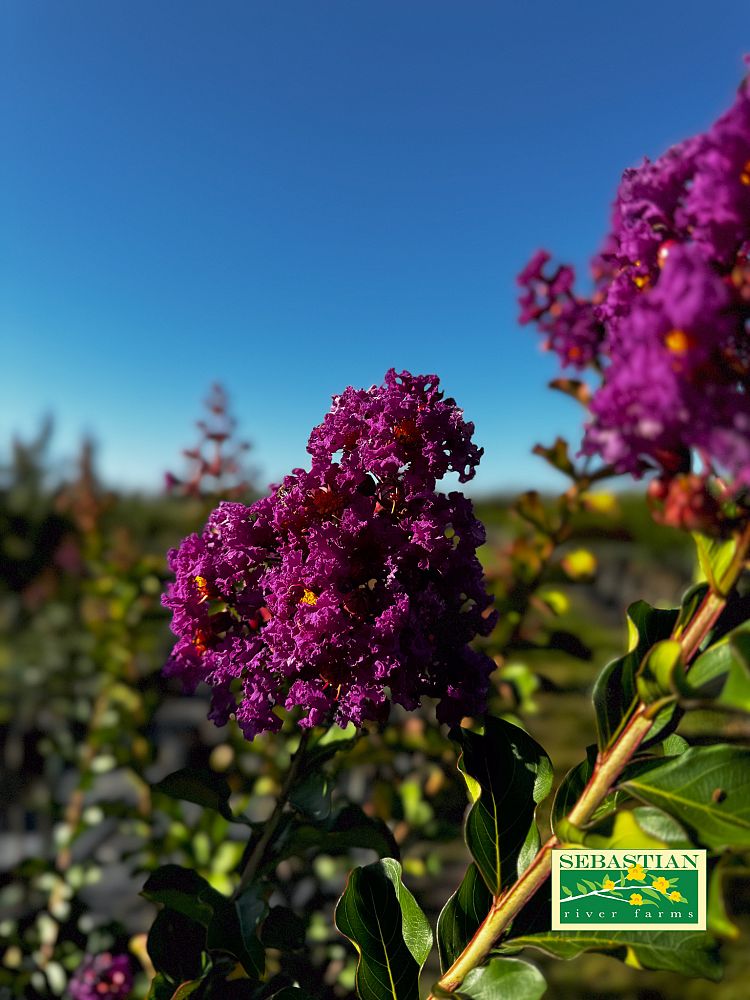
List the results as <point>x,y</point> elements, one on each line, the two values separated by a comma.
<point>202,584</point>
<point>308,597</point>
<point>745,175</point>
<point>641,280</point>
<point>678,341</point>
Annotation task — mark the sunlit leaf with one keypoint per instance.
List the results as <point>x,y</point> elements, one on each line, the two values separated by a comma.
<point>707,789</point>
<point>691,954</point>
<point>461,916</point>
<point>503,979</point>
<point>513,774</point>
<point>384,922</point>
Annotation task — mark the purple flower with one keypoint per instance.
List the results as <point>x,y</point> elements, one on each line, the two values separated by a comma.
<point>102,977</point>
<point>571,326</point>
<point>351,585</point>
<point>666,325</point>
<point>661,392</point>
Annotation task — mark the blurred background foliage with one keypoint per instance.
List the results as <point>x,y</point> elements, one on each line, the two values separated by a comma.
<point>89,724</point>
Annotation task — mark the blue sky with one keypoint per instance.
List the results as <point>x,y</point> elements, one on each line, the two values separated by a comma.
<point>294,195</point>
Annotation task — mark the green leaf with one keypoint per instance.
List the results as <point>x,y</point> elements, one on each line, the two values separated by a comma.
<point>385,924</point>
<point>186,990</point>
<point>655,678</point>
<point>707,789</point>
<point>510,773</point>
<point>718,920</point>
<point>714,557</point>
<point>312,795</point>
<point>200,786</point>
<point>230,925</point>
<point>506,978</point>
<point>175,945</point>
<point>722,672</point>
<point>691,954</point>
<point>615,692</point>
<point>347,828</point>
<point>662,827</point>
<point>461,915</point>
<point>161,988</point>
<point>283,930</point>
<point>332,741</point>
<point>234,929</point>
<point>674,745</point>
<point>184,891</point>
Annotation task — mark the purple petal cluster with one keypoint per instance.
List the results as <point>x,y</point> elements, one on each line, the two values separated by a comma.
<point>666,326</point>
<point>351,585</point>
<point>102,977</point>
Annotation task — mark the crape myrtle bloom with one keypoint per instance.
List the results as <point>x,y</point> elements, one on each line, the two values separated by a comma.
<point>571,326</point>
<point>352,584</point>
<point>672,302</point>
<point>102,977</point>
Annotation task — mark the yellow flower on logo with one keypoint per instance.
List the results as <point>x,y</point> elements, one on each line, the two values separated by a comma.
<point>661,883</point>
<point>608,884</point>
<point>636,899</point>
<point>675,896</point>
<point>636,872</point>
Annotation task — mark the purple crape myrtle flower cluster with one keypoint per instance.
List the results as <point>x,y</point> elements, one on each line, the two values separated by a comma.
<point>351,585</point>
<point>102,977</point>
<point>666,326</point>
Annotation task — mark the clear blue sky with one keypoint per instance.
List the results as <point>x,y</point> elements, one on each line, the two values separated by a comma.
<point>293,195</point>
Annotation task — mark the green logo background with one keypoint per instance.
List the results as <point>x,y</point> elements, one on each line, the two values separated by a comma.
<point>631,889</point>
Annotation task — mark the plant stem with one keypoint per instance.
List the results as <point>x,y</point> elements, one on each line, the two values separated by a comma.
<point>258,853</point>
<point>715,600</point>
<point>609,766</point>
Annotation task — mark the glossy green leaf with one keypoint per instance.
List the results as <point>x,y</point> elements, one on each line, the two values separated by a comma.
<point>230,925</point>
<point>161,988</point>
<point>312,795</point>
<point>186,990</point>
<point>674,745</point>
<point>655,678</point>
<point>175,945</point>
<point>691,954</point>
<point>644,828</point>
<point>184,891</point>
<point>508,774</point>
<point>334,740</point>
<point>722,672</point>
<point>615,692</point>
<point>201,786</point>
<point>718,919</point>
<point>234,929</point>
<point>714,557</point>
<point>344,829</point>
<point>391,934</point>
<point>707,789</point>
<point>461,915</point>
<point>503,979</point>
